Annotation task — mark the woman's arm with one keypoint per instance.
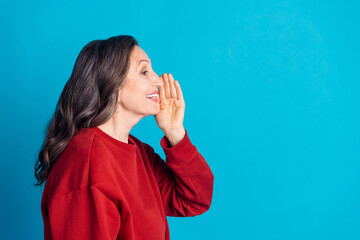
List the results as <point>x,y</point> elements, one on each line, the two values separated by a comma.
<point>185,180</point>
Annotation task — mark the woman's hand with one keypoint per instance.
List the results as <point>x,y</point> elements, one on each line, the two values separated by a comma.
<point>172,110</point>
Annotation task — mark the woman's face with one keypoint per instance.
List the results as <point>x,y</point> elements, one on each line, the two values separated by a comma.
<point>140,82</point>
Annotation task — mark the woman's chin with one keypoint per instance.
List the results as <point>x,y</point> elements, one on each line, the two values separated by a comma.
<point>155,111</point>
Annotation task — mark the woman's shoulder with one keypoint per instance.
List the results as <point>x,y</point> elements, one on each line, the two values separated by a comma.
<point>77,150</point>
<point>84,136</point>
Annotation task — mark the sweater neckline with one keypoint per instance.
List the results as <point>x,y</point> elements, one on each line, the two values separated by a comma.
<point>130,146</point>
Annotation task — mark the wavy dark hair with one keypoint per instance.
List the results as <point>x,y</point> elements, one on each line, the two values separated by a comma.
<point>88,98</point>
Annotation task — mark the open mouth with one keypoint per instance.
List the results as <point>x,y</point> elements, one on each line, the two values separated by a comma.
<point>152,97</point>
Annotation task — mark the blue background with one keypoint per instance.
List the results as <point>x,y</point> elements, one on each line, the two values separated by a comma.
<point>272,103</point>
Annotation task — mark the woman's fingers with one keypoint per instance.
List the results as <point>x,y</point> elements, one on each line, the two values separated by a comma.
<point>162,90</point>
<point>179,91</point>
<point>172,86</point>
<point>166,86</point>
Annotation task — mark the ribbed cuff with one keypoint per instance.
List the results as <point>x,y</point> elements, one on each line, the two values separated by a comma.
<point>183,151</point>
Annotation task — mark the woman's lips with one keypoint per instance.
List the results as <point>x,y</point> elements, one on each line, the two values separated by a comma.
<point>153,99</point>
<point>153,93</point>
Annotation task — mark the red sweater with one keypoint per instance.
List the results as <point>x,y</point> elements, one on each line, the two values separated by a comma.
<point>102,188</point>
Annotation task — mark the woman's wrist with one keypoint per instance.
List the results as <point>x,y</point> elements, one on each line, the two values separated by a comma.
<point>175,136</point>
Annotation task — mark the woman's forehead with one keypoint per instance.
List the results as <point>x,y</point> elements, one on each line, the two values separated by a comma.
<point>139,54</point>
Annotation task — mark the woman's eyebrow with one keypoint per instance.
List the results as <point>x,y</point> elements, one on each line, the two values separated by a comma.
<point>143,60</point>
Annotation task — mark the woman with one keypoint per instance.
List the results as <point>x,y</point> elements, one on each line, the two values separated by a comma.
<point>102,182</point>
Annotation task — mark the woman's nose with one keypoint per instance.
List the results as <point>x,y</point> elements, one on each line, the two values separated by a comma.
<point>158,81</point>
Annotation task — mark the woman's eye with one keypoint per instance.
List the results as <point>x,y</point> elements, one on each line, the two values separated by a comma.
<point>144,72</point>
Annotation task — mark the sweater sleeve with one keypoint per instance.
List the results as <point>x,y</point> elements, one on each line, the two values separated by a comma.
<point>185,179</point>
<point>85,213</point>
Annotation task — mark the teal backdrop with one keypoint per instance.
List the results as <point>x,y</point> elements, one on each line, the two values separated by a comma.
<point>272,103</point>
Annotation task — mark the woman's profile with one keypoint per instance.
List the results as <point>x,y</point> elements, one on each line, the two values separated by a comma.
<point>101,182</point>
